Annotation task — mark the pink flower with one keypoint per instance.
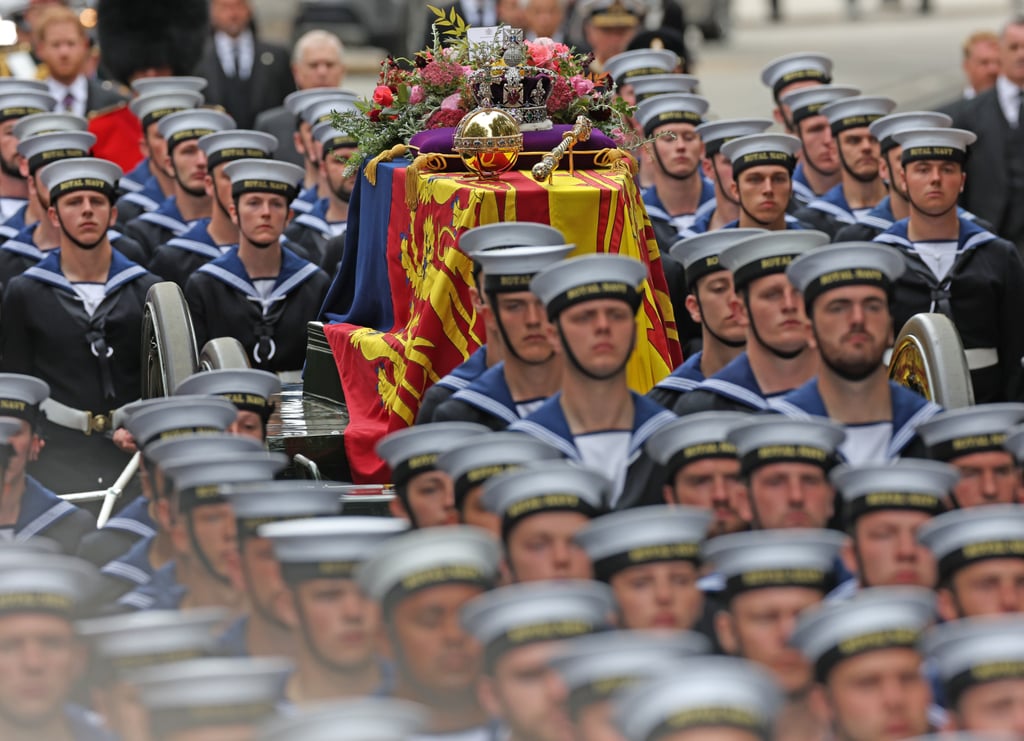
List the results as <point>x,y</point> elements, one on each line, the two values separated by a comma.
<point>383,96</point>
<point>452,103</point>
<point>416,94</point>
<point>561,96</point>
<point>540,52</point>
<point>560,49</point>
<point>581,85</point>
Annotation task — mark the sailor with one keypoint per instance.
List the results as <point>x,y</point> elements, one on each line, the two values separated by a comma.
<point>209,238</point>
<point>379,718</point>
<point>649,85</point>
<point>948,257</point>
<point>650,557</point>
<point>155,181</point>
<point>724,208</point>
<point>40,594</point>
<point>252,392</point>
<point>711,304</point>
<point>595,668</point>
<point>122,644</point>
<point>27,508</point>
<point>186,162</point>
<point>700,467</point>
<point>847,292</point>
<point>623,68</point>
<point>337,628</point>
<point>975,440</point>
<point>421,580</point>
<point>520,628</point>
<point>264,630</point>
<point>778,356</point>
<point>542,508</point>
<point>980,664</point>
<point>820,170</point>
<point>871,641</point>
<point>884,506</point>
<point>75,321</point>
<point>793,72</point>
<point>472,463</point>
<point>423,493</point>
<point>17,100</point>
<point>221,698</point>
<point>532,368</point>
<point>714,697</point>
<point>595,419</point>
<point>981,560</point>
<point>762,180</point>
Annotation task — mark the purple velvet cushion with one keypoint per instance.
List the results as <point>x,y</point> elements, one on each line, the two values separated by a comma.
<point>439,141</point>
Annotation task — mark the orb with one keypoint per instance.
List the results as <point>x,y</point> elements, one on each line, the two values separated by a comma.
<point>489,141</point>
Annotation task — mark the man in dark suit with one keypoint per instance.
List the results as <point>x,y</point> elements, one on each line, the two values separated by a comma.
<point>981,68</point>
<point>995,164</point>
<point>246,76</point>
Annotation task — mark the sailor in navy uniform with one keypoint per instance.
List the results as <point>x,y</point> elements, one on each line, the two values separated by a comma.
<point>251,391</point>
<point>296,104</point>
<point>709,302</point>
<point>762,185</point>
<point>318,556</point>
<point>152,180</point>
<point>383,718</point>
<point>957,268</point>
<point>532,369</point>
<point>75,321</point>
<point>186,161</point>
<point>459,378</point>
<point>265,629</point>
<point>262,293</point>
<point>17,100</point>
<point>792,72</point>
<point>209,238</point>
<point>623,68</point>
<point>847,292</point>
<point>595,419</point>
<point>778,357</point>
<point>861,187</point>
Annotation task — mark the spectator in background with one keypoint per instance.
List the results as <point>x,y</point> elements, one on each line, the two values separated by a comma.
<point>247,76</point>
<point>513,13</point>
<point>981,68</point>
<point>318,60</point>
<point>608,27</point>
<point>544,18</point>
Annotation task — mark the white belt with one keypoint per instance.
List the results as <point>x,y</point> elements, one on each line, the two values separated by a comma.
<point>77,419</point>
<point>287,377</point>
<point>977,357</point>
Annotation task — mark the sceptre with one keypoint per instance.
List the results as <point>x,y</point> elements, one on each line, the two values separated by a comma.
<point>578,133</point>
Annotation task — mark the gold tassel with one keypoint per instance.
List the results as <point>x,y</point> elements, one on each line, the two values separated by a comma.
<point>423,163</point>
<point>399,150</point>
<point>617,159</point>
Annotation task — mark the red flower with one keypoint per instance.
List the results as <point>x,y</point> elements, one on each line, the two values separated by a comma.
<point>383,96</point>
<point>373,114</point>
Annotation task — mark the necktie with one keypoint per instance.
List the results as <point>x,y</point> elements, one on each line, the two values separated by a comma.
<point>69,102</point>
<point>1020,107</point>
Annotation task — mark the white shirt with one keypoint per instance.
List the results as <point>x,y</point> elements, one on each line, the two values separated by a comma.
<point>1009,100</point>
<point>938,256</point>
<point>866,444</point>
<point>225,46</point>
<point>608,452</point>
<point>79,90</point>
<point>91,294</point>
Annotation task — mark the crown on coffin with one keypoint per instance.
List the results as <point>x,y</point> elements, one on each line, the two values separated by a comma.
<point>513,86</point>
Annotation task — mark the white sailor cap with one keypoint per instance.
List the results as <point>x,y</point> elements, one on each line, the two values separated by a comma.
<point>210,692</point>
<point>797,67</point>
<point>856,112</point>
<point>257,503</point>
<point>254,175</point>
<point>633,537</point>
<point>907,484</point>
<point>768,254</point>
<point>578,279</point>
<point>693,438</point>
<point>505,234</point>
<point>477,460</point>
<point>708,692</point>
<point>192,446</point>
<point>237,144</point>
<point>19,84</point>
<point>331,138</point>
<point>321,110</point>
<point>21,395</point>
<point>250,389</point>
<point>194,123</point>
<point>420,559</point>
<point>762,441</point>
<point>327,547</point>
<point>699,255</point>
<point>415,450</point>
<point>885,128</point>
<point>650,85</point>
<point>974,651</point>
<point>978,429</point>
<point>81,173</point>
<point>595,667</point>
<point>1014,442</point>
<point>363,718</point>
<point>35,581</point>
<point>754,150</point>
<point>965,536</point>
<point>20,101</point>
<point>510,270</point>
<point>808,101</point>
<point>152,107</point>
<point>48,123</point>
<point>295,102</point>
<point>845,264</point>
<point>42,149</point>
<point>550,486</point>
<point>136,640</point>
<point>935,144</point>
<point>715,134</point>
<point>155,420</point>
<point>197,481</point>
<point>521,614</point>
<point>640,63</point>
<point>761,559</point>
<point>168,84</point>
<point>874,619</point>
<point>671,108</point>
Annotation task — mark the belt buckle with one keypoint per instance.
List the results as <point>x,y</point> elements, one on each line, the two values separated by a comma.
<point>97,423</point>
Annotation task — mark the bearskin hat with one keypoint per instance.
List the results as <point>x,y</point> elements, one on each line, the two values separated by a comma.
<point>135,35</point>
